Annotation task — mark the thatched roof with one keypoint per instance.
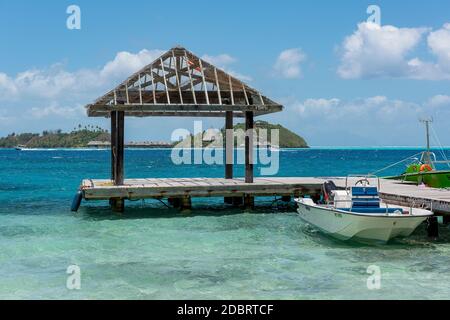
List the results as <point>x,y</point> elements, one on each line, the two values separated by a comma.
<point>179,83</point>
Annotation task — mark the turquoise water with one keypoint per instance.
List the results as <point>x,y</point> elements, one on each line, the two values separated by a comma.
<point>153,252</point>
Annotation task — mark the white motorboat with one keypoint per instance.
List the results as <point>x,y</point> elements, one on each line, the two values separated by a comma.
<point>358,213</point>
<point>20,147</point>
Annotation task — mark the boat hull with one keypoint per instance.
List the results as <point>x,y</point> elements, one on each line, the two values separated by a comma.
<point>346,225</point>
<point>433,179</point>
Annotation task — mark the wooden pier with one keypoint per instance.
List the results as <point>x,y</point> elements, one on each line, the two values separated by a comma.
<point>391,191</point>
<point>181,84</point>
<point>177,84</point>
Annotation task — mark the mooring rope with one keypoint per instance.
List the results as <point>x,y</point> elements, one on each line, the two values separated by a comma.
<point>441,148</point>
<point>394,164</point>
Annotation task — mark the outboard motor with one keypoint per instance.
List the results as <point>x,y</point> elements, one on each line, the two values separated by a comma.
<point>327,189</point>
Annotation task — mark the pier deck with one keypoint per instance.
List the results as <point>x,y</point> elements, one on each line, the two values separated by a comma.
<point>391,191</point>
<point>198,187</point>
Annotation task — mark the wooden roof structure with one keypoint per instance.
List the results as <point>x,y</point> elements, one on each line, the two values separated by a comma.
<point>179,83</point>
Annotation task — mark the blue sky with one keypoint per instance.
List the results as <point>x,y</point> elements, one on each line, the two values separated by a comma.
<point>342,81</point>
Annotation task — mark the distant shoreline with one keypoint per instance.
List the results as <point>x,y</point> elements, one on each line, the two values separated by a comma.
<point>239,148</point>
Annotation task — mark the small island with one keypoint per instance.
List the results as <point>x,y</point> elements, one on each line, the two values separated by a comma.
<point>78,138</point>
<point>287,138</point>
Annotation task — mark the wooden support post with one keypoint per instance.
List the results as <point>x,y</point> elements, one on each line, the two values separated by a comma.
<point>249,201</point>
<point>112,202</point>
<point>433,227</point>
<point>229,142</point>
<point>249,147</point>
<point>446,219</point>
<point>238,201</point>
<point>113,144</point>
<point>174,202</point>
<point>186,203</point>
<point>120,137</point>
<point>118,205</point>
<point>229,150</point>
<point>117,150</point>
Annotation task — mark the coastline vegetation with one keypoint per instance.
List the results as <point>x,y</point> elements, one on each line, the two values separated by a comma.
<point>79,137</point>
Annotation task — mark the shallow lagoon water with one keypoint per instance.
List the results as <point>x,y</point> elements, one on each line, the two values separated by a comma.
<point>154,252</point>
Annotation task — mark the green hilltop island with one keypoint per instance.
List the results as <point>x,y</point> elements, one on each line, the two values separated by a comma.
<point>96,137</point>
<point>287,138</point>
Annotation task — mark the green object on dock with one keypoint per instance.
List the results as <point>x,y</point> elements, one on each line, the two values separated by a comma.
<point>423,170</point>
<point>433,179</point>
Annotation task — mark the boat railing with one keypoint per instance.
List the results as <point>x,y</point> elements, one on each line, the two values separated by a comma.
<point>365,177</point>
<point>428,154</point>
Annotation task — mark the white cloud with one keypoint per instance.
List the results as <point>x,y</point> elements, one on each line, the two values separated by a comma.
<point>56,96</point>
<point>372,108</point>
<point>57,83</point>
<point>220,60</point>
<point>288,64</point>
<point>439,101</point>
<point>439,44</point>
<point>223,62</point>
<point>377,120</point>
<point>317,105</point>
<point>378,51</point>
<point>7,87</point>
<point>59,111</point>
<point>126,63</point>
<point>374,51</point>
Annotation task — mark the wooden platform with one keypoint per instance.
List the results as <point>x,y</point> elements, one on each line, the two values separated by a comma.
<point>391,191</point>
<point>199,187</point>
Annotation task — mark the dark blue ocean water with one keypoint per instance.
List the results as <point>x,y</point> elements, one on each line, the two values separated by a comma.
<point>153,252</point>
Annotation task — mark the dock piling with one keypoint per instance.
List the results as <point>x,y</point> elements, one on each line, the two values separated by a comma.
<point>249,202</point>
<point>433,227</point>
<point>186,204</point>
<point>117,205</point>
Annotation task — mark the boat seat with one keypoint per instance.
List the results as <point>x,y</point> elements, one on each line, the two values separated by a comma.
<point>364,191</point>
<point>363,197</point>
<point>372,210</point>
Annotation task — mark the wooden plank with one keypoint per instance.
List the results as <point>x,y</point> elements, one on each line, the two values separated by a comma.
<point>190,77</point>
<point>140,89</point>
<point>218,86</point>
<point>153,84</point>
<point>165,80</point>
<point>178,79</point>
<point>231,89</point>
<point>204,82</point>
